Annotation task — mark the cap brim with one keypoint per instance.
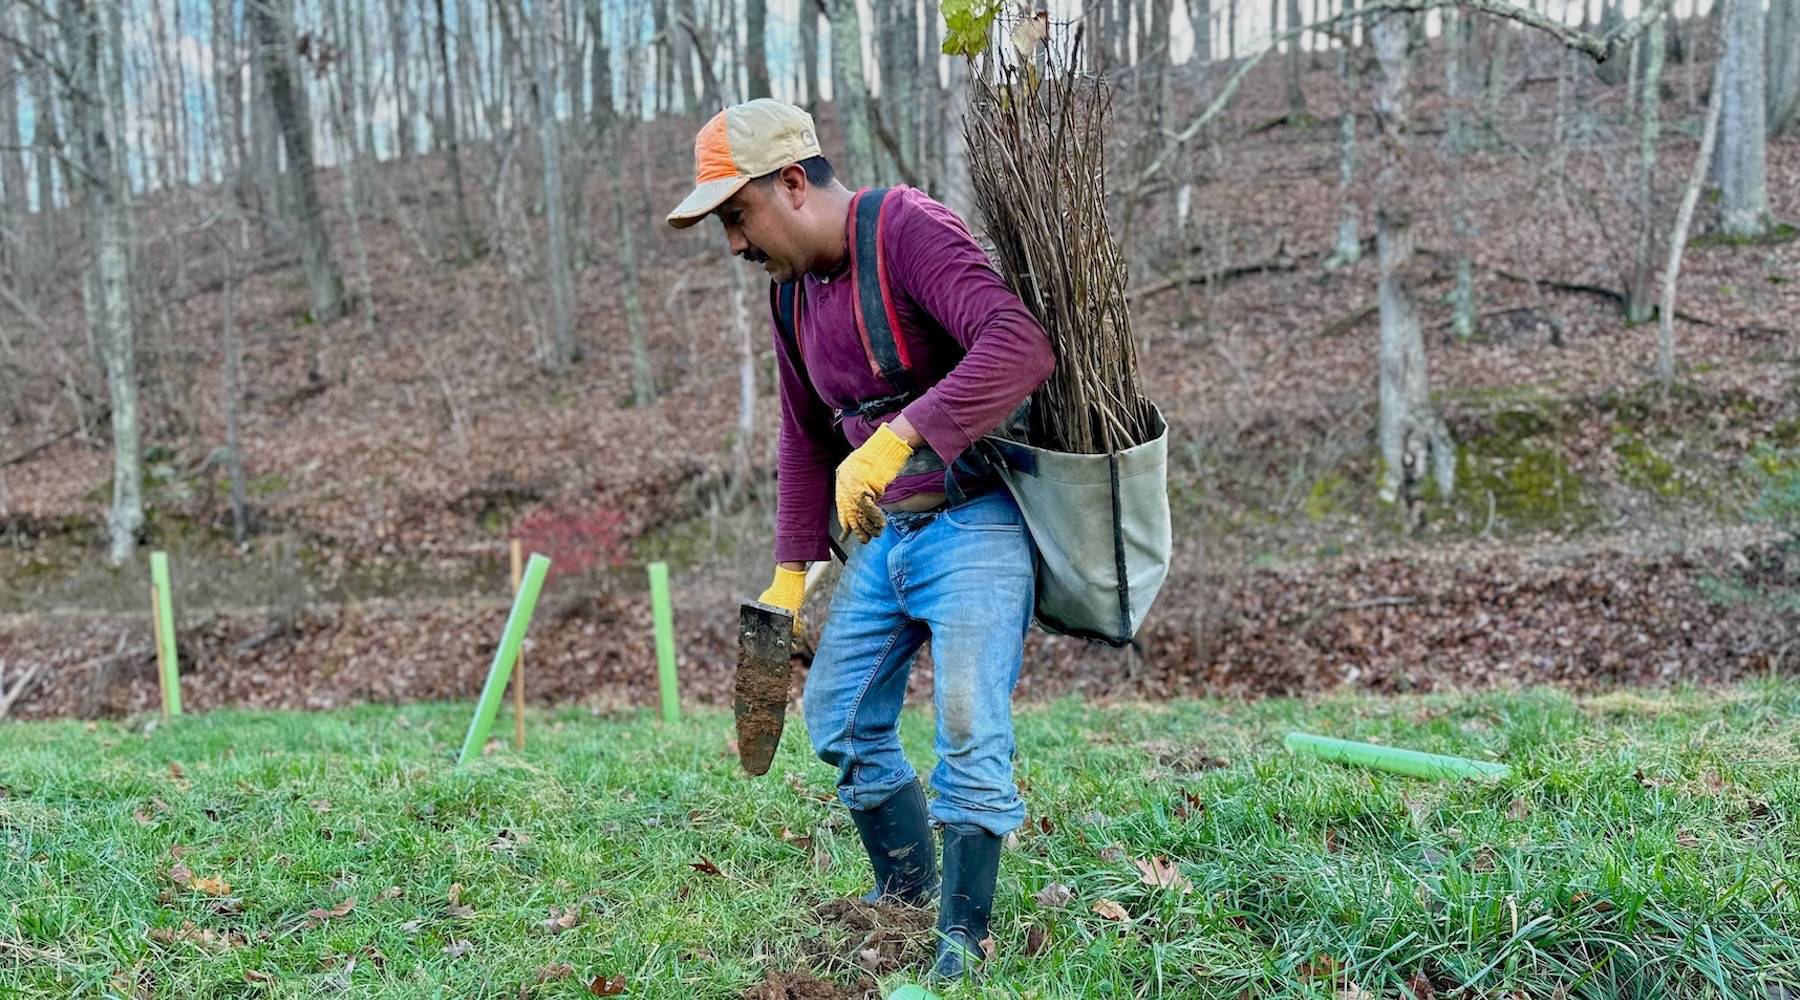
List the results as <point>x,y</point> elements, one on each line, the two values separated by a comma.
<point>704,199</point>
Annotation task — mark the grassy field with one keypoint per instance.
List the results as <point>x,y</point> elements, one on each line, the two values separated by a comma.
<point>1646,846</point>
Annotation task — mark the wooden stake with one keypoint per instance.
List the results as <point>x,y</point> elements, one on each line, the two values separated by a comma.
<point>518,679</point>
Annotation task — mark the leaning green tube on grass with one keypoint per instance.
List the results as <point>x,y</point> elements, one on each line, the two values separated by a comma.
<point>511,640</point>
<point>1415,763</point>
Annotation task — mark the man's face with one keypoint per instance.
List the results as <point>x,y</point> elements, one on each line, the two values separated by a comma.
<point>762,225</point>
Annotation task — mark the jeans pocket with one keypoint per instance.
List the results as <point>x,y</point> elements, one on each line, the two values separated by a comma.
<point>996,511</point>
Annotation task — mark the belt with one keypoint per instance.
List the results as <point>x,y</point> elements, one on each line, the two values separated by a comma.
<point>979,488</point>
<point>877,407</point>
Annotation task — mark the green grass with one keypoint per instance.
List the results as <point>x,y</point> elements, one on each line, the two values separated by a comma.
<point>1646,846</point>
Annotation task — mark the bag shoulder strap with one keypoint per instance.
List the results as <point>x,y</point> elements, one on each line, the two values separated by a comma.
<point>784,303</point>
<point>877,320</point>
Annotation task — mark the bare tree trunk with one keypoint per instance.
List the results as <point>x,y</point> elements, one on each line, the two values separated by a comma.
<point>465,233</point>
<point>11,405</point>
<point>1099,50</point>
<point>1559,123</point>
<point>736,74</point>
<point>662,53</point>
<point>1677,51</point>
<point>561,292</point>
<point>897,51</point>
<point>366,76</point>
<point>1665,358</point>
<point>47,146</point>
<point>601,108</point>
<point>1231,34</point>
<point>351,189</point>
<point>157,93</point>
<point>324,286</point>
<point>1631,79</point>
<point>959,195</point>
<point>643,377</point>
<point>1320,11</point>
<point>932,135</point>
<point>575,183</point>
<point>1158,60</point>
<point>900,51</point>
<point>229,101</point>
<point>683,54</point>
<point>1497,82</point>
<point>1296,98</point>
<point>183,132</point>
<point>850,90</point>
<point>635,78</point>
<point>1612,72</point>
<point>403,103</point>
<point>93,313</point>
<point>574,52</point>
<point>1118,36</point>
<point>1129,29</point>
<point>1638,289</point>
<point>808,92</point>
<point>344,30</point>
<point>1348,249</point>
<point>98,114</point>
<point>1136,24</point>
<point>232,388</point>
<point>1784,65</point>
<point>197,148</point>
<point>506,64</point>
<point>300,78</point>
<point>14,201</point>
<point>1200,20</point>
<point>1742,163</point>
<point>265,151</point>
<point>702,47</point>
<point>172,84</point>
<point>756,16</point>
<point>1413,437</point>
<point>1456,42</point>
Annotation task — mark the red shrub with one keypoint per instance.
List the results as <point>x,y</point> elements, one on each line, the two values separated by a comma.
<point>575,540</point>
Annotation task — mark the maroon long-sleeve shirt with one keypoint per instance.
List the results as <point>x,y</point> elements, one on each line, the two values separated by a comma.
<point>974,348</point>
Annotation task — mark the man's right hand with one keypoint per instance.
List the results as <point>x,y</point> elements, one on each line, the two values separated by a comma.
<point>788,590</point>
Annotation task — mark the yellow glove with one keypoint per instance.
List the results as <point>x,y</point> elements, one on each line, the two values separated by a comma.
<point>788,590</point>
<point>864,476</point>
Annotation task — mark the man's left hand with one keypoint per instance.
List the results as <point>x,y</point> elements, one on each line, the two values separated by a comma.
<point>864,476</point>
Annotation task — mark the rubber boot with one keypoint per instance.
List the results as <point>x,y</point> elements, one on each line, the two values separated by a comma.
<point>897,835</point>
<point>971,866</point>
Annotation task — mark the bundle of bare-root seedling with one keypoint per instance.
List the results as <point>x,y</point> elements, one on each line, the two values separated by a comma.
<point>1037,162</point>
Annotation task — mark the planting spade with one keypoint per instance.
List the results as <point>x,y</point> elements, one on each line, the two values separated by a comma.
<point>765,641</point>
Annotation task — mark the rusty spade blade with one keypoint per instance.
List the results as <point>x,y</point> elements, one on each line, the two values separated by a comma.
<point>765,639</point>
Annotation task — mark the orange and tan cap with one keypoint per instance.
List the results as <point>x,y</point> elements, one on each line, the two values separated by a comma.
<point>742,142</point>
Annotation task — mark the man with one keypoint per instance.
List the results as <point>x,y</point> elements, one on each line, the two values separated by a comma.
<point>960,574</point>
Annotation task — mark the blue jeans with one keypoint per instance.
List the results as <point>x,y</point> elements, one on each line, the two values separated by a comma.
<point>964,578</point>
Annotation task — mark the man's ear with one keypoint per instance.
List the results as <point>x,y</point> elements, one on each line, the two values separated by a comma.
<point>792,184</point>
